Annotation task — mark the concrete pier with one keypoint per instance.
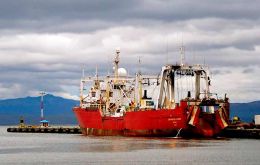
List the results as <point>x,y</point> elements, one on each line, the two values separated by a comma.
<point>253,133</point>
<point>65,130</point>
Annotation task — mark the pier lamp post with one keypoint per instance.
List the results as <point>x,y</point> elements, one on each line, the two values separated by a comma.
<point>42,106</point>
<point>44,123</point>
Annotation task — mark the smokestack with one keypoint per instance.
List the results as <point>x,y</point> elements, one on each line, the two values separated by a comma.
<point>145,95</point>
<point>189,94</point>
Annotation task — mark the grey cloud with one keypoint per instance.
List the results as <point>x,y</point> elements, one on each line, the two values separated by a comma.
<point>57,16</point>
<point>220,72</point>
<point>248,70</point>
<point>45,44</point>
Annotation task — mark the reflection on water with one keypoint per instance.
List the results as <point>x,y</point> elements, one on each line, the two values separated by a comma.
<point>26,148</point>
<point>128,144</point>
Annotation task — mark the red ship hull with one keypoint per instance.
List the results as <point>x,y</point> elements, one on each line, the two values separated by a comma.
<point>159,122</point>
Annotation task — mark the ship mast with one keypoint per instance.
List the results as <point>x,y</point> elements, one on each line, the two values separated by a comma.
<point>182,52</point>
<point>139,82</point>
<point>116,62</point>
<point>81,88</point>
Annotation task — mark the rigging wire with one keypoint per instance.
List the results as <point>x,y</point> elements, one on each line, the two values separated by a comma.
<point>181,86</point>
<point>187,84</point>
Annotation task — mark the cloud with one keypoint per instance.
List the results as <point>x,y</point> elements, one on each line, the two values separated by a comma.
<point>45,44</point>
<point>240,86</point>
<point>81,15</point>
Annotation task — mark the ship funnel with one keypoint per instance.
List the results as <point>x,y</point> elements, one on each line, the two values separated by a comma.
<point>145,95</point>
<point>189,94</point>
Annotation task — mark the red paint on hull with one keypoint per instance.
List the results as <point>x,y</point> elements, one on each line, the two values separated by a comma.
<point>149,123</point>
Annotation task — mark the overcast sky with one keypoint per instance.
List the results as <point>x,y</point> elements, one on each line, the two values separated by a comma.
<point>45,44</point>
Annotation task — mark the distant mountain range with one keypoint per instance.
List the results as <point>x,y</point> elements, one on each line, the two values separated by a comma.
<point>246,111</point>
<point>58,110</point>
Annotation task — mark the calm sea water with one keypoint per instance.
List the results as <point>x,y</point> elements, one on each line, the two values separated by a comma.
<point>27,148</point>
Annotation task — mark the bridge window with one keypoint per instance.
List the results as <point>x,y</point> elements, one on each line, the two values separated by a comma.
<point>149,103</point>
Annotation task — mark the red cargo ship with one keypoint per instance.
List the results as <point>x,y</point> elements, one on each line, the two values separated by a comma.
<point>146,105</point>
